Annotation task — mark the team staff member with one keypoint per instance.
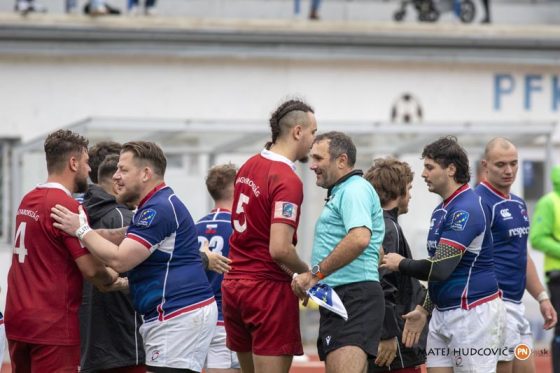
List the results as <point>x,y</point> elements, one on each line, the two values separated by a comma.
<point>545,237</point>
<point>167,280</point>
<point>515,270</point>
<point>261,313</point>
<point>463,291</point>
<point>108,322</point>
<point>392,180</point>
<point>48,266</point>
<point>345,254</point>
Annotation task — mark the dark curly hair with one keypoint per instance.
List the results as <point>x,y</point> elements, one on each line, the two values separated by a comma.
<point>61,144</point>
<point>445,151</point>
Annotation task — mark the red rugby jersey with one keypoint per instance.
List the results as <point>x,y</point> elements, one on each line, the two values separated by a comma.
<point>44,282</point>
<point>267,190</point>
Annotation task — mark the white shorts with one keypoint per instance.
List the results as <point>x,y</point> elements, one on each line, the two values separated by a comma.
<point>2,343</point>
<point>219,356</point>
<point>182,341</point>
<point>467,340</point>
<point>516,330</point>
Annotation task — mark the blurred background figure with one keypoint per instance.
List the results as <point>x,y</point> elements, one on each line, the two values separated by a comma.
<point>100,8</point>
<point>545,237</point>
<point>28,6</point>
<point>486,5</point>
<point>313,11</point>
<point>134,7</point>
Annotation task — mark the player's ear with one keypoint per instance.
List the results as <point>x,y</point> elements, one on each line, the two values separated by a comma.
<point>342,160</point>
<point>147,174</point>
<point>73,163</point>
<point>297,131</point>
<point>451,170</point>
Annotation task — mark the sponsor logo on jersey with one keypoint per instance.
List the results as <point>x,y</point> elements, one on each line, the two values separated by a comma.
<point>285,210</point>
<point>518,231</point>
<point>211,229</point>
<point>459,221</point>
<point>432,223</point>
<point>146,218</point>
<point>506,214</point>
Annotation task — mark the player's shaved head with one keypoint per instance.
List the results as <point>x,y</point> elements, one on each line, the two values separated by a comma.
<point>497,143</point>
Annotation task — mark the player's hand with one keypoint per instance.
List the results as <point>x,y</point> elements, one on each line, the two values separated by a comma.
<point>121,284</point>
<point>218,263</point>
<point>413,326</point>
<point>69,222</point>
<point>391,262</point>
<point>549,314</point>
<point>386,352</point>
<point>301,283</point>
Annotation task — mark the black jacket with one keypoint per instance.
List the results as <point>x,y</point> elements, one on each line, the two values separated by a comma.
<point>108,323</point>
<point>402,294</point>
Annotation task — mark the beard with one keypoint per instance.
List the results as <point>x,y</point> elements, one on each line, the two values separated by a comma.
<point>130,197</point>
<point>81,185</point>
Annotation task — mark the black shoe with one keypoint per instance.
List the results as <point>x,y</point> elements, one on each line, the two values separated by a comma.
<point>112,10</point>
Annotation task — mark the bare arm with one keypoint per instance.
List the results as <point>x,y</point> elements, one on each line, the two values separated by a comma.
<point>348,249</point>
<point>95,272</point>
<point>537,290</point>
<point>116,235</point>
<point>122,258</point>
<point>283,251</point>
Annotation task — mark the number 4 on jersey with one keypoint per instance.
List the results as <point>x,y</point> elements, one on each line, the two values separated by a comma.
<point>19,243</point>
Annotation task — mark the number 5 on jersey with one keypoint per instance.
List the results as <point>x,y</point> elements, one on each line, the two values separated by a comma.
<point>239,210</point>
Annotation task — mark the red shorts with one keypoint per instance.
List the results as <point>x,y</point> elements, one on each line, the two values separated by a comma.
<point>36,358</point>
<point>261,317</point>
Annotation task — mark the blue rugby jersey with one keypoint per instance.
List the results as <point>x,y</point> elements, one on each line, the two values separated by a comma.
<point>215,228</point>
<point>459,221</point>
<point>171,281</point>
<point>510,229</point>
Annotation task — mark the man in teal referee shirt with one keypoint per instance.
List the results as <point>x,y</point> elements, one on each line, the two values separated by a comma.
<point>345,255</point>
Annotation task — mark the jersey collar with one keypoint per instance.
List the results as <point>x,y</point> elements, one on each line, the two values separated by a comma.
<point>53,185</point>
<point>496,191</point>
<point>459,190</point>
<point>152,192</point>
<point>342,180</point>
<point>278,158</point>
<point>218,210</point>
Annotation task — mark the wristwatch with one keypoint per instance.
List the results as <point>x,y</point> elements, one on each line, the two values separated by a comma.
<point>316,272</point>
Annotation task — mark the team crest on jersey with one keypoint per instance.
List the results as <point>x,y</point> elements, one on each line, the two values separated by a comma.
<point>524,213</point>
<point>285,210</point>
<point>459,221</point>
<point>146,218</point>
